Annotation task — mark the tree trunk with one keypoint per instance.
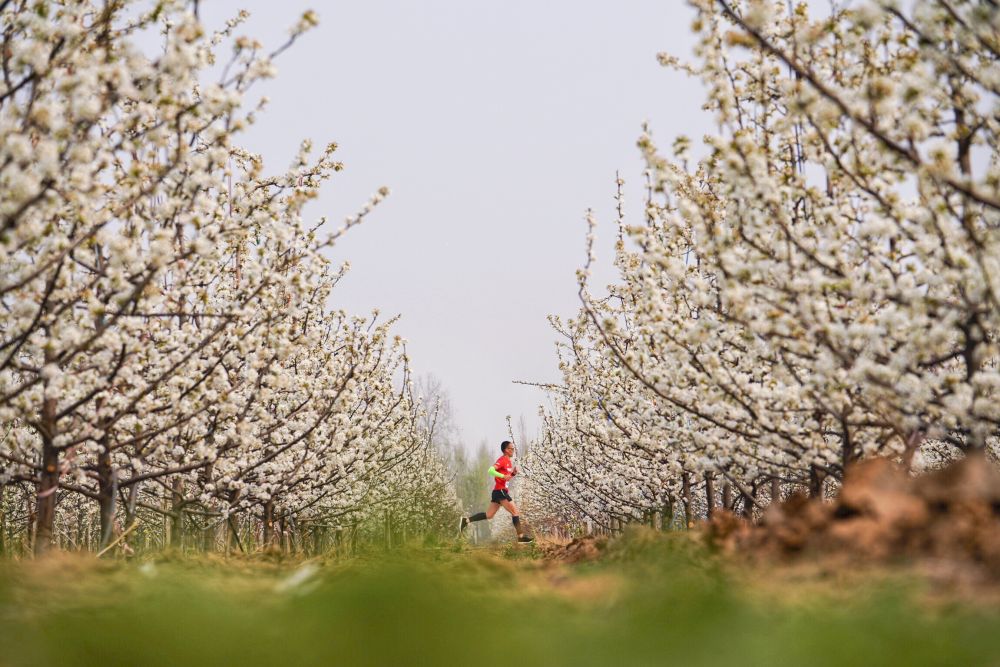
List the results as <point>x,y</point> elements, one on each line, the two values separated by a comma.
<point>727,497</point>
<point>48,486</point>
<point>208,535</point>
<point>107,490</point>
<point>45,505</point>
<point>313,546</point>
<point>208,530</point>
<point>775,490</point>
<point>80,528</point>
<point>231,533</point>
<point>3,519</point>
<point>268,523</point>
<point>686,486</point>
<point>177,515</point>
<point>748,502</point>
<point>709,495</point>
<point>815,482</point>
<point>667,515</point>
<point>133,500</point>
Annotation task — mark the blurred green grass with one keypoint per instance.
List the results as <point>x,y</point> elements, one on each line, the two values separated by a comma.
<point>651,602</point>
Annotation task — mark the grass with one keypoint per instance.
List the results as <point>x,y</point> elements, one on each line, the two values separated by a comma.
<point>650,602</point>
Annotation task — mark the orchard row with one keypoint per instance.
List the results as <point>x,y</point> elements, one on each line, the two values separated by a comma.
<point>820,286</point>
<point>169,363</point>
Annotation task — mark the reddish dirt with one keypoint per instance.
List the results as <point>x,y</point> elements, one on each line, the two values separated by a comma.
<point>579,550</point>
<point>947,522</point>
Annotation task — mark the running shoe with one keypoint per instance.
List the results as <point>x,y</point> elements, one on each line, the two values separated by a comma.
<point>463,523</point>
<point>526,538</point>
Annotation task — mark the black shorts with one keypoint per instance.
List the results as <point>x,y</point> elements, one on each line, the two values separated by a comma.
<point>499,495</point>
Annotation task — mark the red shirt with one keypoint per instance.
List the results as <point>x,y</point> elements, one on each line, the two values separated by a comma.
<point>503,466</point>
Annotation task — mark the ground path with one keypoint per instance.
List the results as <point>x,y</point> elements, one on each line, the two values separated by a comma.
<point>647,597</point>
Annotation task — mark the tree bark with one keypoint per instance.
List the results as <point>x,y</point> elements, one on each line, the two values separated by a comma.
<point>107,490</point>
<point>748,502</point>
<point>815,482</point>
<point>268,523</point>
<point>133,500</point>
<point>208,536</point>
<point>709,495</point>
<point>177,514</point>
<point>686,486</point>
<point>48,485</point>
<point>667,515</point>
<point>80,529</point>
<point>231,532</point>
<point>3,519</point>
<point>208,531</point>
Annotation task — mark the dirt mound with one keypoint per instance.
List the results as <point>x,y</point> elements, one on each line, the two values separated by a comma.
<point>580,549</point>
<point>950,518</point>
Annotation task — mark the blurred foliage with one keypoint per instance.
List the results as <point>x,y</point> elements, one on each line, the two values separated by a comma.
<point>649,601</point>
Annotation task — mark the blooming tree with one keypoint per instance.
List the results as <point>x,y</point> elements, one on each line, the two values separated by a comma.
<point>821,286</point>
<point>167,339</point>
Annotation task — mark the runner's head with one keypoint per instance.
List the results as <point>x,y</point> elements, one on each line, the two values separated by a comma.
<point>507,447</point>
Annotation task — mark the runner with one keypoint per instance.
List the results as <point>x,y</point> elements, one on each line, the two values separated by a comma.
<point>503,470</point>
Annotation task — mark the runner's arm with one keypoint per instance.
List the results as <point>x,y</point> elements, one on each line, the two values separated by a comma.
<point>495,473</point>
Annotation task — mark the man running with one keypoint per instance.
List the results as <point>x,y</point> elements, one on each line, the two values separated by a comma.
<point>503,471</point>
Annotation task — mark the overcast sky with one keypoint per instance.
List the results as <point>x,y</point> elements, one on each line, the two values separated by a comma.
<point>495,125</point>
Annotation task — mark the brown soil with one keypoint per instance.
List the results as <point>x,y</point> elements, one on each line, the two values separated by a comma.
<point>581,549</point>
<point>945,523</point>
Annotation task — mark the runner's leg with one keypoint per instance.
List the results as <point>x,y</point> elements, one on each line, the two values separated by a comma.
<point>478,516</point>
<point>515,515</point>
<point>488,514</point>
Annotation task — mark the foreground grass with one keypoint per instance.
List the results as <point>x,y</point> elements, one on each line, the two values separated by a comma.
<point>652,602</point>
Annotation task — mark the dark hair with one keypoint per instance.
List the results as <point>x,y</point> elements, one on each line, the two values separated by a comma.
<point>503,446</point>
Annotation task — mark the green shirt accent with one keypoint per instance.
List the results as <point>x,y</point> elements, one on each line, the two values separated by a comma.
<point>494,473</point>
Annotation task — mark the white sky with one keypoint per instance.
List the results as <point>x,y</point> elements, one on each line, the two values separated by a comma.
<point>496,125</point>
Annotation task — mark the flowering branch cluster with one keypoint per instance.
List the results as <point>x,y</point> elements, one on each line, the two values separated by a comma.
<point>166,341</point>
<point>820,287</point>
